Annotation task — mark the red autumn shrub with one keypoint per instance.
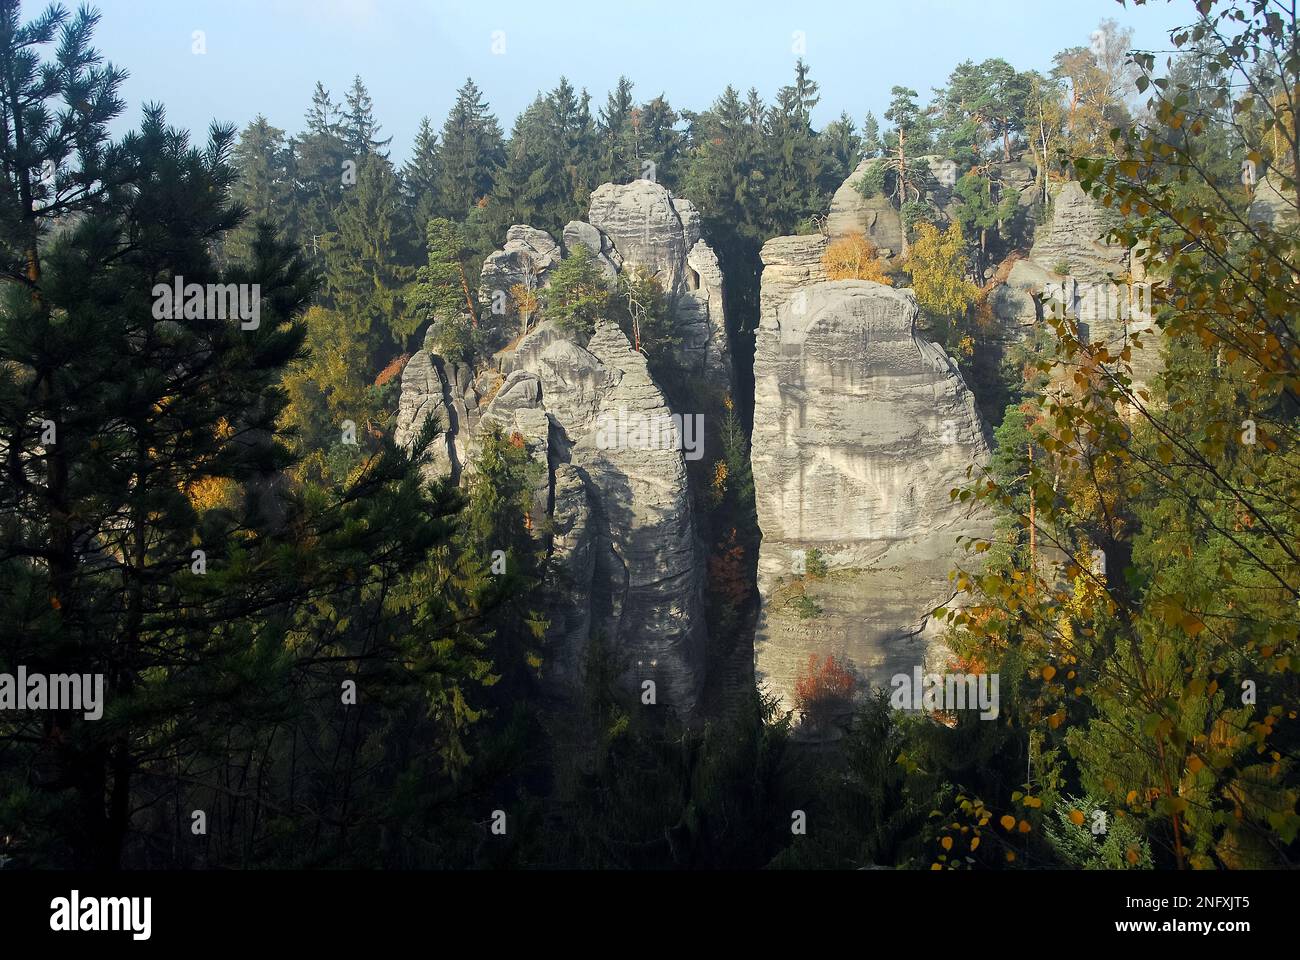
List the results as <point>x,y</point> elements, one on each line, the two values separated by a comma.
<point>823,687</point>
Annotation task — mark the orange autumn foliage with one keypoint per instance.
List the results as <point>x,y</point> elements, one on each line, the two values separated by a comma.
<point>394,369</point>
<point>854,257</point>
<point>819,684</point>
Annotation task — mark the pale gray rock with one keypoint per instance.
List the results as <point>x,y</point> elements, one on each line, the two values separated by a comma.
<point>876,217</point>
<point>426,395</point>
<point>527,258</point>
<point>645,585</point>
<point>572,573</point>
<point>705,348</point>
<point>642,222</point>
<point>516,410</point>
<point>1017,301</point>
<point>789,264</point>
<point>1072,270</point>
<point>655,232</point>
<point>690,217</point>
<point>1072,244</point>
<point>653,573</point>
<point>576,233</point>
<point>572,380</point>
<point>1019,177</point>
<point>1273,203</point>
<point>626,562</point>
<point>861,429</point>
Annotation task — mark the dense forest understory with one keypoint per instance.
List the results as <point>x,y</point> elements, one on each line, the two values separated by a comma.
<point>317,653</point>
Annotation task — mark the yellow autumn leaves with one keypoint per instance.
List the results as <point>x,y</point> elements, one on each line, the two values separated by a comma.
<point>854,257</point>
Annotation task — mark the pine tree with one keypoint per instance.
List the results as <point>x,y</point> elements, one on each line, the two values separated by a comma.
<point>147,534</point>
<point>147,409</point>
<point>981,215</point>
<point>442,295</point>
<point>726,179</point>
<point>907,141</point>
<point>983,103</point>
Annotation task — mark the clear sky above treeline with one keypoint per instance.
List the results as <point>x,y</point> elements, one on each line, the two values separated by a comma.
<point>265,56</point>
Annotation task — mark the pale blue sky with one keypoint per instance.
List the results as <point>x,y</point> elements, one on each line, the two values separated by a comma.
<point>266,55</point>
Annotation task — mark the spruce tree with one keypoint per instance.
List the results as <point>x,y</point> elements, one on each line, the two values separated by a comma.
<point>322,162</point>
<point>420,175</point>
<point>551,162</point>
<point>369,261</point>
<point>472,152</point>
<point>359,127</point>
<point>796,161</point>
<point>871,144</point>
<point>264,190</point>
<point>614,133</point>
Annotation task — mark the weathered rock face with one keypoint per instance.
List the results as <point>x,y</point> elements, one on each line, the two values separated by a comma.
<point>705,347</point>
<point>879,221</point>
<point>876,217</point>
<point>652,230</point>
<point>1071,269</point>
<point>861,428</point>
<point>653,571</point>
<point>574,546</point>
<point>517,409</point>
<point>434,390</point>
<point>526,259</point>
<point>1068,246</point>
<point>601,247</point>
<point>1273,203</point>
<point>626,564</point>
<point>645,227</point>
<point>629,567</point>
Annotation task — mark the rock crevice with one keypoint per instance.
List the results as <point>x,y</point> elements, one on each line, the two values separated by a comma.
<point>626,566</point>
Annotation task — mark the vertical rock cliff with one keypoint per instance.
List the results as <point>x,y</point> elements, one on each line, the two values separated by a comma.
<point>861,428</point>
<point>1071,268</point>
<point>626,563</point>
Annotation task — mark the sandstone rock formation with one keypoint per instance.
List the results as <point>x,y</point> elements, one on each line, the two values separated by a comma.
<point>861,428</point>
<point>1072,270</point>
<point>526,259</point>
<point>625,547</point>
<point>601,247</point>
<point>1069,247</point>
<point>643,223</point>
<point>1273,203</point>
<point>433,392</point>
<point>625,562</point>
<point>876,217</point>
<point>654,231</point>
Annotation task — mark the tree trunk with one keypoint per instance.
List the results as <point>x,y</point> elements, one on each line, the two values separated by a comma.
<point>902,193</point>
